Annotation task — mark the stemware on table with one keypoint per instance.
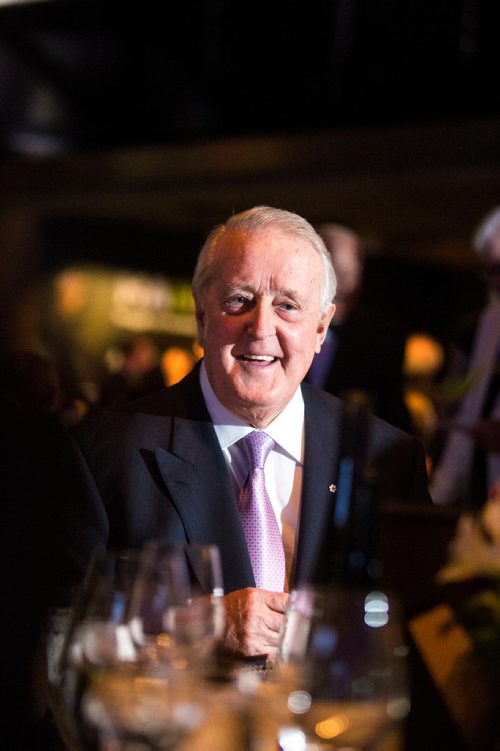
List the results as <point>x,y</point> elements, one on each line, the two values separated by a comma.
<point>133,670</point>
<point>176,609</point>
<point>140,615</point>
<point>96,636</point>
<point>341,675</point>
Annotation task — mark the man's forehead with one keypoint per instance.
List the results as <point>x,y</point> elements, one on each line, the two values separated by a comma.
<point>234,239</point>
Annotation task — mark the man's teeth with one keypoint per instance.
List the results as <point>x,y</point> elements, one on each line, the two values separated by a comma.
<point>259,358</point>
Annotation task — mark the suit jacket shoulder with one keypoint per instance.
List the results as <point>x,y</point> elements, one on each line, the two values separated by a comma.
<point>157,469</point>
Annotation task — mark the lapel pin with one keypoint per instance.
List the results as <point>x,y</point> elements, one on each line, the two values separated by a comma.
<point>332,488</point>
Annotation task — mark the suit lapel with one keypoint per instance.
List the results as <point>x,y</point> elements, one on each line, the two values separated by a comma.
<point>197,478</point>
<point>321,443</point>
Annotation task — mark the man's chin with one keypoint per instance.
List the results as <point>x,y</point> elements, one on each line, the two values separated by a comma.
<point>259,406</point>
<point>260,388</point>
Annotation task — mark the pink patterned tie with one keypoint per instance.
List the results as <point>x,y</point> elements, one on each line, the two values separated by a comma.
<point>262,533</point>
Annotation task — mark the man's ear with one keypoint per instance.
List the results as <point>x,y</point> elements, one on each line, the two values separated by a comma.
<point>200,324</point>
<point>323,326</point>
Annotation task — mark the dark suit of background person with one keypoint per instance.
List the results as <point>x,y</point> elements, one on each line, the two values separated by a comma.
<point>263,289</point>
<point>364,349</point>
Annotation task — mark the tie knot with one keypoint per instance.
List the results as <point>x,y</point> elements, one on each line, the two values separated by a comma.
<point>258,446</point>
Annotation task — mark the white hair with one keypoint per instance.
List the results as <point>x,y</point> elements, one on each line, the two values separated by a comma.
<point>255,219</point>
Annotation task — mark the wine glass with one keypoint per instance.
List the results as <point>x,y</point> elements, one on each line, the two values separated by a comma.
<point>341,669</point>
<point>142,706</point>
<point>113,693</point>
<point>97,636</point>
<point>176,610</point>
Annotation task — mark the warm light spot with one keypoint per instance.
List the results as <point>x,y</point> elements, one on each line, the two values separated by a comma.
<point>71,289</point>
<point>164,641</point>
<point>332,726</point>
<point>176,362</point>
<point>422,411</point>
<point>424,355</point>
<point>146,683</point>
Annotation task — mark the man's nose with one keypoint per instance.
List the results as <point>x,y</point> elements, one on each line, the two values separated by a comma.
<point>262,322</point>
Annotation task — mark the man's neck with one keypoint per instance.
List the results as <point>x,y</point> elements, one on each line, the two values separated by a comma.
<point>254,416</point>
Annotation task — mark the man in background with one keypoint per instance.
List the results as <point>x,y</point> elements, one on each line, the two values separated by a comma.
<point>139,373</point>
<point>470,463</point>
<point>364,349</point>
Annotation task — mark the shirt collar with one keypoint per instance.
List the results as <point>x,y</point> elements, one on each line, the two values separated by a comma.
<point>286,429</point>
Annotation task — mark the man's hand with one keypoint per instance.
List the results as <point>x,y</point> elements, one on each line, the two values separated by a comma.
<point>253,621</point>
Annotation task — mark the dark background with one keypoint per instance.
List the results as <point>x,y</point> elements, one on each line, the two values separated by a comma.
<point>102,74</point>
<point>127,131</point>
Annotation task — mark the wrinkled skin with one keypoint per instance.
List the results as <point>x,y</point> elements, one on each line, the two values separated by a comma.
<point>254,618</point>
<point>260,323</point>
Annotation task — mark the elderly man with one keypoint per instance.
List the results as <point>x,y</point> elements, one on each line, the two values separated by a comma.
<point>175,464</point>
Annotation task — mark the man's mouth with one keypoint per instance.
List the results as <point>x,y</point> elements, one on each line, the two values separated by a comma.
<point>257,358</point>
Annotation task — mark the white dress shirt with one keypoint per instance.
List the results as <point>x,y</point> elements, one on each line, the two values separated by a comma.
<point>283,469</point>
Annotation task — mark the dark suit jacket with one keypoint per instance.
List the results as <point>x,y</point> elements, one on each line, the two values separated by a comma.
<point>155,469</point>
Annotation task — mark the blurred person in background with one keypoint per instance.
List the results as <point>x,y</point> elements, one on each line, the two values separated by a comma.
<point>33,381</point>
<point>363,350</point>
<point>139,373</point>
<point>469,464</point>
<point>486,244</point>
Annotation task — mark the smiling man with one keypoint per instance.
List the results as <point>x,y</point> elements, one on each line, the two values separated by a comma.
<point>177,464</point>
<point>260,314</point>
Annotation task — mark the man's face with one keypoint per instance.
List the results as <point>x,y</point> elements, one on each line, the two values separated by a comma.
<point>259,322</point>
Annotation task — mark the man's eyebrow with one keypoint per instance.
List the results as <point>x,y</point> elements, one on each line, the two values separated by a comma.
<point>239,285</point>
<point>293,294</point>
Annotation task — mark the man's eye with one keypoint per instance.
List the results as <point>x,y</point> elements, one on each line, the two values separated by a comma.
<point>236,302</point>
<point>288,306</point>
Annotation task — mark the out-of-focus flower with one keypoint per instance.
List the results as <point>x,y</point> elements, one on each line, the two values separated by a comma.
<point>474,572</point>
<point>475,550</point>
